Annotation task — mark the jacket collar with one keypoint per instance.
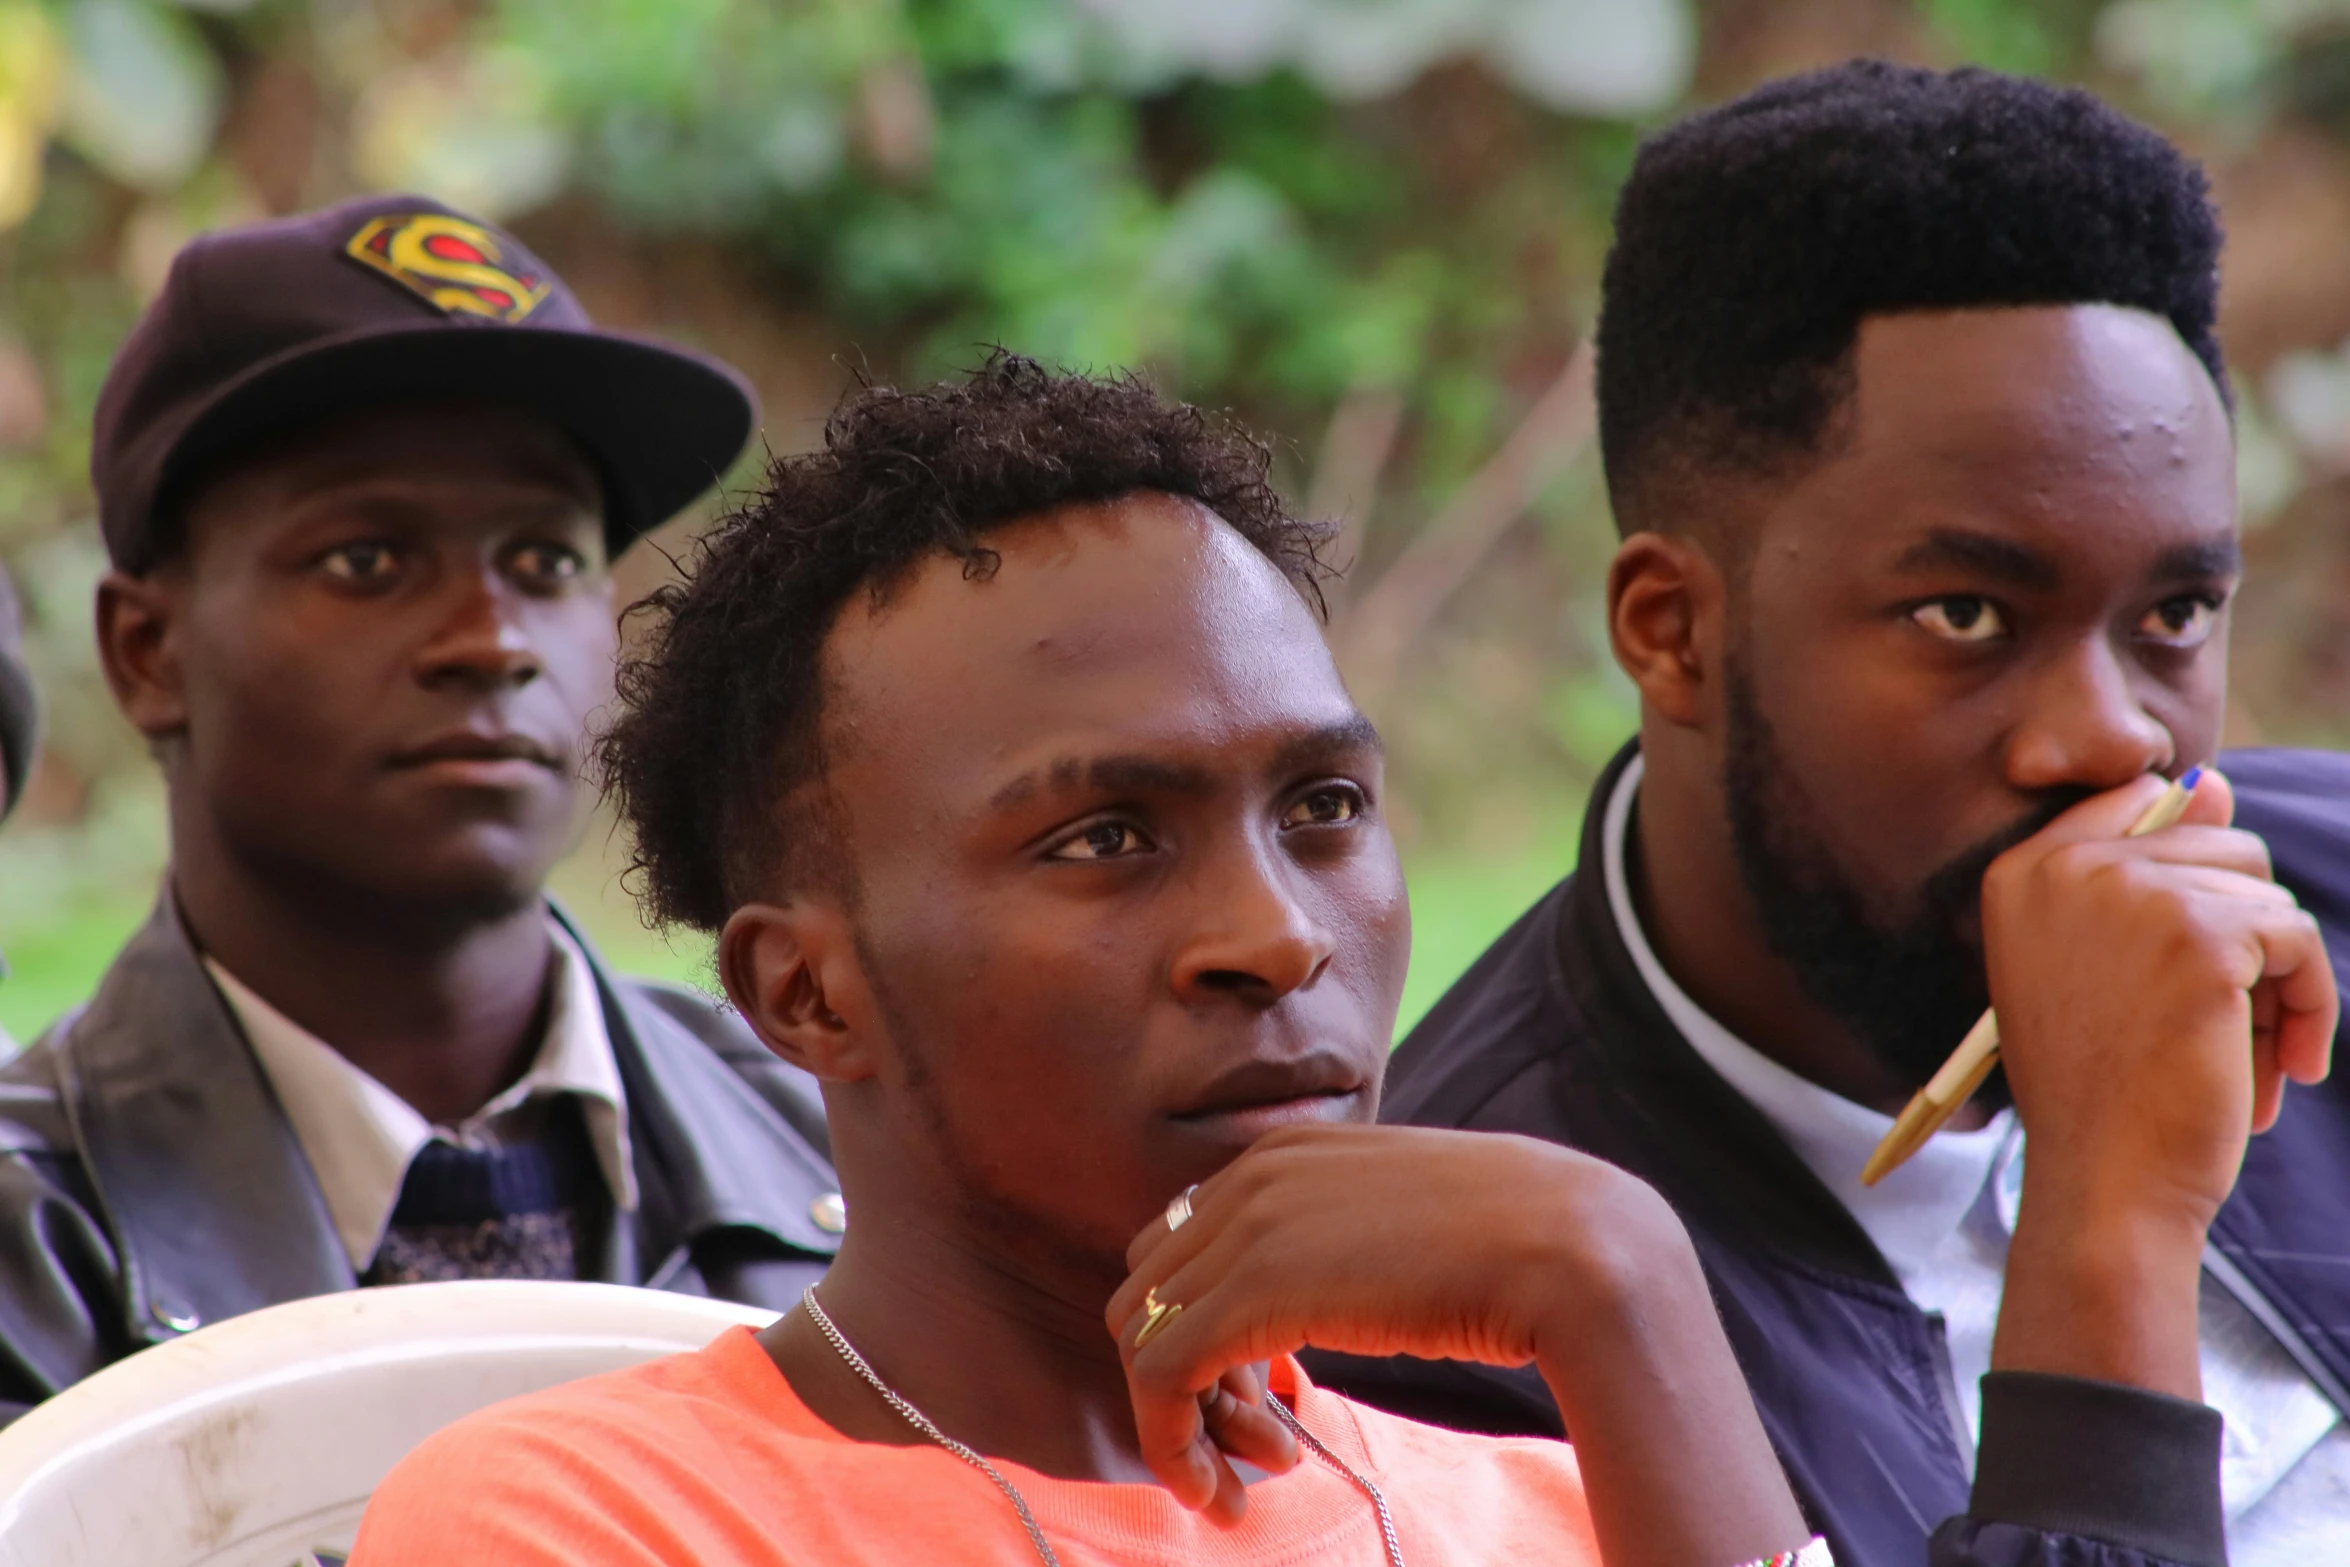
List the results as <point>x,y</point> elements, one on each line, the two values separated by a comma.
<point>710,1152</point>
<point>197,1171</point>
<point>216,1210</point>
<point>1713,1151</point>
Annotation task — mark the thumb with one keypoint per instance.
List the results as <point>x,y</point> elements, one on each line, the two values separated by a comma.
<point>2213,803</point>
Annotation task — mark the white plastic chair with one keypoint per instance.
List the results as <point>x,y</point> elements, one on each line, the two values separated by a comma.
<point>256,1442</point>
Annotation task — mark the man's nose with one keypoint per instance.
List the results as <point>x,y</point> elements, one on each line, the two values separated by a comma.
<point>1257,939</point>
<point>2085,726</point>
<point>480,640</point>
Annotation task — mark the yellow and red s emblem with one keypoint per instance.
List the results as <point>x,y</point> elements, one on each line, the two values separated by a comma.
<point>459,266</point>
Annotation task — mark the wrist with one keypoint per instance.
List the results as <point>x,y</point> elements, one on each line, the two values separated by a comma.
<point>1674,1458</point>
<point>1632,1282</point>
<point>2105,1290</point>
<point>2110,1221</point>
<point>2089,1184</point>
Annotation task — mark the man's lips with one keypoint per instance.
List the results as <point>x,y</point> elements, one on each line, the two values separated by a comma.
<point>1259,1095</point>
<point>481,757</point>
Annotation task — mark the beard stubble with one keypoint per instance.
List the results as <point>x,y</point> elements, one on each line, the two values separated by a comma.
<point>1907,983</point>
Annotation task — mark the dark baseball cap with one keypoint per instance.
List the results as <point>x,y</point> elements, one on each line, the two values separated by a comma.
<point>19,714</point>
<point>392,299</point>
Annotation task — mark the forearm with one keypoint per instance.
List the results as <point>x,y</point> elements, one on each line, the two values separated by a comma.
<point>2102,1290</point>
<point>2096,1449</point>
<point>1675,1464</point>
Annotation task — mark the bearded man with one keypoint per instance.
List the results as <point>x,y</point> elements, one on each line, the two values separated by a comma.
<point>1918,432</point>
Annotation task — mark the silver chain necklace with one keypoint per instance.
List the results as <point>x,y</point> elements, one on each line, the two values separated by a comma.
<point>1044,1549</point>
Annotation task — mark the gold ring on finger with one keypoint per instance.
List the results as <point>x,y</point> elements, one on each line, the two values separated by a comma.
<point>1157,1314</point>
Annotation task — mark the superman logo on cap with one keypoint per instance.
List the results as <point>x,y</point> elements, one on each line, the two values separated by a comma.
<point>458,266</point>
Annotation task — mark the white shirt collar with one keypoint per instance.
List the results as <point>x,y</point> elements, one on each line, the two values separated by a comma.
<point>360,1137</point>
<point>1909,1214</point>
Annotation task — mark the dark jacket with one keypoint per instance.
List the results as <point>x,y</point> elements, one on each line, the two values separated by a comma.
<point>149,1182</point>
<point>1553,1034</point>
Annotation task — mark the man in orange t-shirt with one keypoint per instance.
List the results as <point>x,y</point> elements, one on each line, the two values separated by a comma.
<point>999,743</point>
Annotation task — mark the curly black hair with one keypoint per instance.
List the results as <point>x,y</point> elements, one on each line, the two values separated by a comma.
<point>1752,239</point>
<point>722,703</point>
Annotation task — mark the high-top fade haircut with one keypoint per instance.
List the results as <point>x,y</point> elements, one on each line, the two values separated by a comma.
<point>1751,241</point>
<point>717,763</point>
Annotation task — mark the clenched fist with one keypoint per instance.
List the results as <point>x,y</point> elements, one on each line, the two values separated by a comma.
<point>2153,995</point>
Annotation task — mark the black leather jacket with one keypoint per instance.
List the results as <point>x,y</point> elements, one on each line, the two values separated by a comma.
<point>150,1184</point>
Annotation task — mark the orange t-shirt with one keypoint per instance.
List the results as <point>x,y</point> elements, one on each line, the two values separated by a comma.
<point>710,1459</point>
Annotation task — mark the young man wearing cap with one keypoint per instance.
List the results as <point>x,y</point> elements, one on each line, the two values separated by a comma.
<point>1916,423</point>
<point>360,474</point>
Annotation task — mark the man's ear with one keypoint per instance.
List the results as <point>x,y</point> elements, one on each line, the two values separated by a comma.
<point>793,972</point>
<point>1664,606</point>
<point>138,632</point>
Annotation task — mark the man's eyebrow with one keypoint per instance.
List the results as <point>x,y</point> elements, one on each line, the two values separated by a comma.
<point>1352,733</point>
<point>1112,774</point>
<point>1947,549</point>
<point>1133,774</point>
<point>2220,557</point>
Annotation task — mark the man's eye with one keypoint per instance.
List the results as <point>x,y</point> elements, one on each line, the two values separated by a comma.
<point>1962,618</point>
<point>1102,841</point>
<point>1324,808</point>
<point>2183,622</point>
<point>548,562</point>
<point>365,561</point>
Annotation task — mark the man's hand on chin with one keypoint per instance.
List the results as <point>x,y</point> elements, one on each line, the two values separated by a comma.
<point>2153,995</point>
<point>1391,1240</point>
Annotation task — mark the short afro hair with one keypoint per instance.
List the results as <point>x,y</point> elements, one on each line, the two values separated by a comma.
<point>1751,241</point>
<point>722,704</point>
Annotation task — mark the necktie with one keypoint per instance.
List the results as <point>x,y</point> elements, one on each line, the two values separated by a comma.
<point>522,1211</point>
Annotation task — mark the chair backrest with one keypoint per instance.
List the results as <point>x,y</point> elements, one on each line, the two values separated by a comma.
<point>257,1441</point>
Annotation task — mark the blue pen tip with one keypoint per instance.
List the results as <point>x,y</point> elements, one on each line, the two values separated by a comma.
<point>2190,778</point>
